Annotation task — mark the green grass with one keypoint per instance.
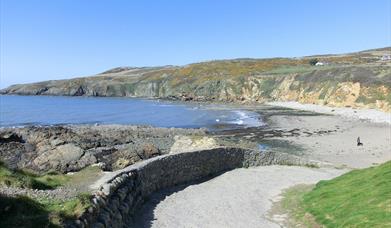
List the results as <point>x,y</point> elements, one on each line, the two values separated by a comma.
<point>267,86</point>
<point>373,95</point>
<point>288,69</point>
<point>23,211</point>
<point>292,204</point>
<point>26,212</point>
<point>24,179</point>
<point>360,198</point>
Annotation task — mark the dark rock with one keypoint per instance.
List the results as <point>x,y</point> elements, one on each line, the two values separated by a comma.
<point>149,150</point>
<point>79,92</point>
<point>71,148</point>
<point>7,137</point>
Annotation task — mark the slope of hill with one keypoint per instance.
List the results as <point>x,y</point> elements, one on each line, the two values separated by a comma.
<point>359,79</point>
<point>361,198</point>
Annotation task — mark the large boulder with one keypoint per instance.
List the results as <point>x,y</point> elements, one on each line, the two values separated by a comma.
<point>149,150</point>
<point>60,158</point>
<point>11,148</point>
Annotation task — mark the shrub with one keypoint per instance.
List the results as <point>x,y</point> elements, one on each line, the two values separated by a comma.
<point>313,62</point>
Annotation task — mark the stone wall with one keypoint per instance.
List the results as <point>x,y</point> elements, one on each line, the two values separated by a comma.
<point>121,194</point>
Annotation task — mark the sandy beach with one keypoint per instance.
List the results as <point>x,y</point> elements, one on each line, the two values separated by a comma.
<point>339,148</point>
<point>371,115</point>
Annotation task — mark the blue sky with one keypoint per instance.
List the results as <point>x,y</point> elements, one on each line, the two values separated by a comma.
<point>55,39</point>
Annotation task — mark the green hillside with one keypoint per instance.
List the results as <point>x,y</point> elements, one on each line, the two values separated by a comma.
<point>360,80</point>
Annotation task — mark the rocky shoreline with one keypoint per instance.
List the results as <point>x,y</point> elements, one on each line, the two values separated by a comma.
<point>70,148</point>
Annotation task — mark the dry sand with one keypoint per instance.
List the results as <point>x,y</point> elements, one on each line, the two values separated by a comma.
<point>238,198</point>
<point>371,115</point>
<point>340,148</point>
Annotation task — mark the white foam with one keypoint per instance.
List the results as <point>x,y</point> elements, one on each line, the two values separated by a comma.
<point>247,118</point>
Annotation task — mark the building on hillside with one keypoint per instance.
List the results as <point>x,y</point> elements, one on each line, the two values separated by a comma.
<point>385,58</point>
<point>319,64</point>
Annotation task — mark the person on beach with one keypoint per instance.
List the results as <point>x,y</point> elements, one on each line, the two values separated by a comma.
<point>359,143</point>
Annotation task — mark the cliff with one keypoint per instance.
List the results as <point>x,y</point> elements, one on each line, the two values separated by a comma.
<point>361,80</point>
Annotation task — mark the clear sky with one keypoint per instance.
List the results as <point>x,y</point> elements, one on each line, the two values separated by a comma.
<point>54,39</point>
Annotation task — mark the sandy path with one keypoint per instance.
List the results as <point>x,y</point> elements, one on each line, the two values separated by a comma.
<point>238,198</point>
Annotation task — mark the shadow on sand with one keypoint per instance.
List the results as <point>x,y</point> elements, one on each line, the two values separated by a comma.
<point>145,216</point>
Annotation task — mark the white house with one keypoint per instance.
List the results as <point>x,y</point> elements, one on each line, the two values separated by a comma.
<point>385,58</point>
<point>319,64</point>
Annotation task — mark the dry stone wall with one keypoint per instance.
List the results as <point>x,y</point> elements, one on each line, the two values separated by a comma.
<point>124,192</point>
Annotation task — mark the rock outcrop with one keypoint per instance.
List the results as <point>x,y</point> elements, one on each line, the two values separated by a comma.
<point>71,148</point>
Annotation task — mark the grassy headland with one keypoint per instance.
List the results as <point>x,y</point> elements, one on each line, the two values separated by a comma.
<point>355,80</point>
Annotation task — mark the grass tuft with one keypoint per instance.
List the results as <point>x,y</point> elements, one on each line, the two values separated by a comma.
<point>24,179</point>
<point>22,211</point>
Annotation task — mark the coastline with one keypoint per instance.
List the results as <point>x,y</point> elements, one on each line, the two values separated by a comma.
<point>19,111</point>
<point>323,137</point>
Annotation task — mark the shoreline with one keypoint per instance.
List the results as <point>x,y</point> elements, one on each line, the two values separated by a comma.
<point>124,111</point>
<point>371,115</point>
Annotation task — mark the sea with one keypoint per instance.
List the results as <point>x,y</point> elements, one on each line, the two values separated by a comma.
<point>18,111</point>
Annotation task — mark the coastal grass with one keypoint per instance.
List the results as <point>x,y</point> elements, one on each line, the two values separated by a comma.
<point>49,180</point>
<point>360,198</point>
<point>295,69</point>
<point>22,211</point>
<point>292,204</point>
<point>24,179</point>
<point>83,178</point>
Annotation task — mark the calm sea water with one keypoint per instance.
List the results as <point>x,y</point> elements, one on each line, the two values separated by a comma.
<point>51,110</point>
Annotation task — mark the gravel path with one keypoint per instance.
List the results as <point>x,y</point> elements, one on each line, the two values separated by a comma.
<point>238,198</point>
